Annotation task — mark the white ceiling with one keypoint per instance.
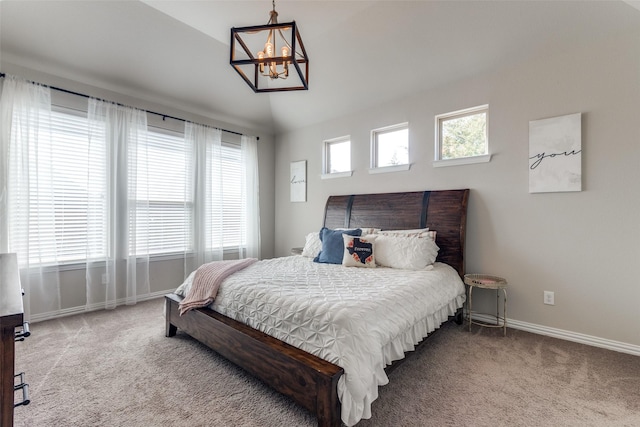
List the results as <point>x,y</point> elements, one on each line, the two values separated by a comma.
<point>362,53</point>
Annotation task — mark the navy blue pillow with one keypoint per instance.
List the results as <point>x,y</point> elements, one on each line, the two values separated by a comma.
<point>333,245</point>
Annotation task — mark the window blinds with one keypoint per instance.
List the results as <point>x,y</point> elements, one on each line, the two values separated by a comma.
<point>65,177</point>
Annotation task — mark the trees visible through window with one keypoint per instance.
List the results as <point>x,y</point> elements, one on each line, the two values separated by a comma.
<point>462,134</point>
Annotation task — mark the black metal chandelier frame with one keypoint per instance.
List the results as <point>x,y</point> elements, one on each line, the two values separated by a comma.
<point>298,56</point>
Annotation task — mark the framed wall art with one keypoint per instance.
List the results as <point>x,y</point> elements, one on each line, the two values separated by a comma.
<point>555,154</point>
<point>298,181</point>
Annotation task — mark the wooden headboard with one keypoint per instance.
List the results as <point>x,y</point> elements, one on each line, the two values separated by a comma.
<point>444,211</point>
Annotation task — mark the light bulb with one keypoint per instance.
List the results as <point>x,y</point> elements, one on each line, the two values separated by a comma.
<point>268,48</point>
<point>261,56</point>
<point>285,64</point>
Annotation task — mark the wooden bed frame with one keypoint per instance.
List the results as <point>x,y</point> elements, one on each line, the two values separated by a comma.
<point>310,381</point>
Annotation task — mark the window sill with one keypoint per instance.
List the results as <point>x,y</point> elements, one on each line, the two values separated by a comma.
<point>336,175</point>
<point>386,169</point>
<point>462,161</point>
<point>100,263</point>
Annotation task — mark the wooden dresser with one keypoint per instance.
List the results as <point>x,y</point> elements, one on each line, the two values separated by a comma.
<point>11,317</point>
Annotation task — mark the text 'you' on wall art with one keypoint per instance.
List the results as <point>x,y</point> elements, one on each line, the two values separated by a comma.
<point>555,154</point>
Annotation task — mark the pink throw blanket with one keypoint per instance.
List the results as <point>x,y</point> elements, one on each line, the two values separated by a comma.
<point>207,280</point>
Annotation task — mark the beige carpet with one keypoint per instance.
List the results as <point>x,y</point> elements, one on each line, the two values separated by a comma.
<point>116,368</point>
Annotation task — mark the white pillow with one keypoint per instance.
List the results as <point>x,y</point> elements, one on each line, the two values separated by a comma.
<point>418,232</point>
<point>413,232</point>
<point>409,253</point>
<point>359,251</point>
<point>365,230</point>
<point>312,245</point>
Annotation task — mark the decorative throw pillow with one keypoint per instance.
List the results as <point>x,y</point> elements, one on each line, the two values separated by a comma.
<point>409,253</point>
<point>312,245</point>
<point>359,251</point>
<point>333,245</point>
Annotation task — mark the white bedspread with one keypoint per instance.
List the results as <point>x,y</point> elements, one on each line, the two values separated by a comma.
<point>360,319</point>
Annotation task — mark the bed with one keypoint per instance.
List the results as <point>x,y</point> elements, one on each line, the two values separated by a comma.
<point>310,380</point>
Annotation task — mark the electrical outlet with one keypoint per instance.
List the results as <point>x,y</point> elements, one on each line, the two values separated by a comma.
<point>549,298</point>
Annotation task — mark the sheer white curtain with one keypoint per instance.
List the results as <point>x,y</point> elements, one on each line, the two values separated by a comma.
<point>120,207</point>
<point>27,213</point>
<point>251,189</point>
<point>76,188</point>
<point>206,143</point>
<point>225,180</point>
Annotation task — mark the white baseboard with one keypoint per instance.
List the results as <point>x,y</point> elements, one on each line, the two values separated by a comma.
<point>93,307</point>
<point>565,335</point>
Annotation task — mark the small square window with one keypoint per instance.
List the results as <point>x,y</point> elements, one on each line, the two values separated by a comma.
<point>390,146</point>
<point>462,134</point>
<point>337,156</point>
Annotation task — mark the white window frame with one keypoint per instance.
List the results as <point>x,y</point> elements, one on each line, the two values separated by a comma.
<point>374,168</point>
<point>326,158</point>
<point>441,118</point>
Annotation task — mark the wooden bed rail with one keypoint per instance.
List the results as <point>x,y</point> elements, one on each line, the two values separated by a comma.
<point>309,380</point>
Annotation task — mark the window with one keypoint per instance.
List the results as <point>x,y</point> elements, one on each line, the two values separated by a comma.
<point>228,204</point>
<point>67,195</point>
<point>462,135</point>
<point>164,171</point>
<point>170,202</point>
<point>337,157</point>
<point>59,194</point>
<point>390,148</point>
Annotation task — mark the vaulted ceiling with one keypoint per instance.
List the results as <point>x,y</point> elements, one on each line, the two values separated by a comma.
<point>362,53</point>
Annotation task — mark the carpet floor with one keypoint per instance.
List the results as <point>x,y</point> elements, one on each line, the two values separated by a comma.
<point>116,368</point>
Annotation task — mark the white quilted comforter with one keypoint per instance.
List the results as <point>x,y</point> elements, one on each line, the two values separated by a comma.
<point>360,319</point>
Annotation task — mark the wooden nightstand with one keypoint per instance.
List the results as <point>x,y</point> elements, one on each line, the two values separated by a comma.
<point>11,317</point>
<point>485,281</point>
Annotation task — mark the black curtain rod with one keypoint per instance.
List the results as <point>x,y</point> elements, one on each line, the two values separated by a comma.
<point>164,116</point>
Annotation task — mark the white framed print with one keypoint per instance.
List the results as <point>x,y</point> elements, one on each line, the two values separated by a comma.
<point>298,181</point>
<point>555,154</point>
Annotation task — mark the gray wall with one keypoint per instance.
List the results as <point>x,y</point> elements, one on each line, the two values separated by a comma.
<point>584,246</point>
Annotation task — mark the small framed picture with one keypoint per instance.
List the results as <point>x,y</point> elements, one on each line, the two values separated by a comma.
<point>299,181</point>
